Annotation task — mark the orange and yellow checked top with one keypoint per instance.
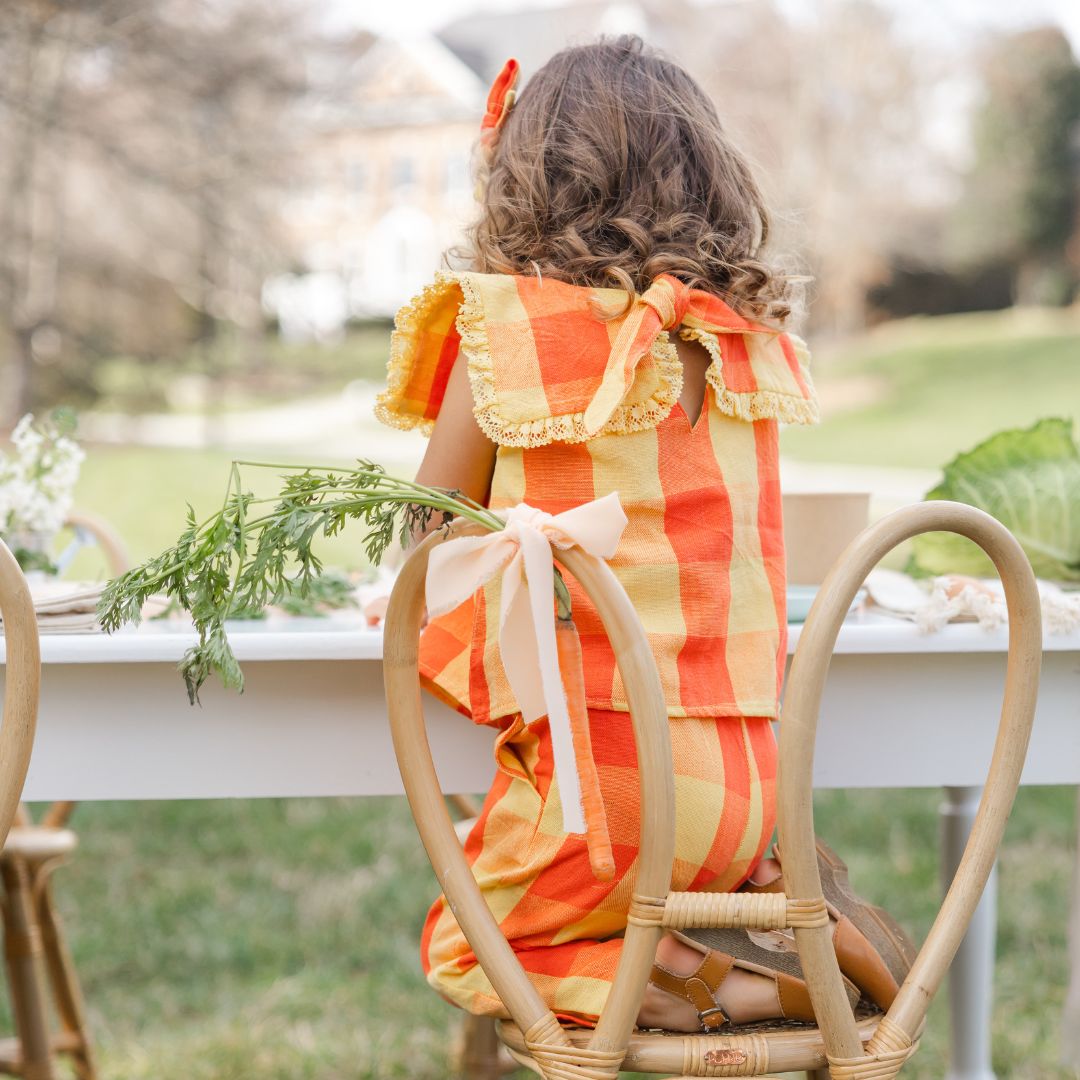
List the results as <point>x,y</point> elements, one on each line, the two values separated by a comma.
<point>579,387</point>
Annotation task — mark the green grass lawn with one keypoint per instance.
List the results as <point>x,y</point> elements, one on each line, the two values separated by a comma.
<point>247,375</point>
<point>144,492</point>
<point>927,388</point>
<point>277,939</point>
<point>920,390</point>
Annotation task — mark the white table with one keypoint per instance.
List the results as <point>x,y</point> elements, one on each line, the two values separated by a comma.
<point>901,709</point>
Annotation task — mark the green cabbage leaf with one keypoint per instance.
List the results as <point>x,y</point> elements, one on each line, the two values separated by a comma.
<point>1029,479</point>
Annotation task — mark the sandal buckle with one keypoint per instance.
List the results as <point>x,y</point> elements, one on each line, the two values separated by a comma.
<point>702,1014</point>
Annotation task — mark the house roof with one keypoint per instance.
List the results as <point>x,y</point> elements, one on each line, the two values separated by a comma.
<point>397,82</point>
<point>485,39</point>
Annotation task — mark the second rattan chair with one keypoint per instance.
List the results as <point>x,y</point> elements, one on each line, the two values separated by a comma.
<point>22,680</point>
<point>39,963</point>
<point>22,684</point>
<point>842,1047</point>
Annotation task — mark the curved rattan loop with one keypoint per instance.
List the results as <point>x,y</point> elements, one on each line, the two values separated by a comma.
<point>802,702</point>
<point>649,718</point>
<point>22,681</point>
<point>105,536</point>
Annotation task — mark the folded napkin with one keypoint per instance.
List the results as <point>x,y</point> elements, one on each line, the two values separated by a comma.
<point>66,607</point>
<point>931,603</point>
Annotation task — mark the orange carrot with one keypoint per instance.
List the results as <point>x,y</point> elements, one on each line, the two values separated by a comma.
<point>597,839</point>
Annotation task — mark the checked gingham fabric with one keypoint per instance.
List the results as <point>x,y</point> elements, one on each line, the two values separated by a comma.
<point>579,388</point>
<point>561,922</point>
<point>702,557</point>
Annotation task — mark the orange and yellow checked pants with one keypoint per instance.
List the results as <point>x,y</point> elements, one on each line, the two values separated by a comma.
<point>565,926</point>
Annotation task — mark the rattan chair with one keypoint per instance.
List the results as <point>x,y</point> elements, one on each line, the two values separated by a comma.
<point>39,962</point>
<point>22,680</point>
<point>842,1047</point>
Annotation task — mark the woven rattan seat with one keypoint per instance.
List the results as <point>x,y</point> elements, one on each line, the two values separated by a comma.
<point>843,1047</point>
<point>779,1047</point>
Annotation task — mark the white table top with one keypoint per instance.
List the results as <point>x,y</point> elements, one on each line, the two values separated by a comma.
<point>901,708</point>
<point>345,636</point>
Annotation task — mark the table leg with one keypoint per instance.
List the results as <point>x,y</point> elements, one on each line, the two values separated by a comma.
<point>971,978</point>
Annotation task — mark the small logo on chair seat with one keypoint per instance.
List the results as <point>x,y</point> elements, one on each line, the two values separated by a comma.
<point>725,1057</point>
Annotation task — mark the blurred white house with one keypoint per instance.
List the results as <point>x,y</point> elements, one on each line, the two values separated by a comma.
<point>387,187</point>
<point>387,182</point>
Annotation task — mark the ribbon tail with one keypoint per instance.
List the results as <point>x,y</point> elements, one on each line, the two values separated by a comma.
<point>571,667</point>
<point>518,643</point>
<point>540,579</point>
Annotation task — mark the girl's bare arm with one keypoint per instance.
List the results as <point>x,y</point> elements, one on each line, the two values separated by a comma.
<point>459,455</point>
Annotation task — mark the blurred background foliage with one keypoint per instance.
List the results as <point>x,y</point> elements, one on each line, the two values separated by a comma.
<point>181,183</point>
<point>208,213</point>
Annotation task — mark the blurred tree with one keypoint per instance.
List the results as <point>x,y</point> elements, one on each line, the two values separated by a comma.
<point>1023,191</point>
<point>835,101</point>
<point>143,145</point>
<point>832,106</point>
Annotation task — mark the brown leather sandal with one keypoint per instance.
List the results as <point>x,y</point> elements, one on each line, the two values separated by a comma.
<point>871,948</point>
<point>701,986</point>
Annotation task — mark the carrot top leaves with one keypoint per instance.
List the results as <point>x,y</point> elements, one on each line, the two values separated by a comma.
<point>254,553</point>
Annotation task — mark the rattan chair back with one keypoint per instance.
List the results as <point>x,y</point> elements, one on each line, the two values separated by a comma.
<point>896,1033</point>
<point>649,717</point>
<point>849,1049</point>
<point>39,964</point>
<point>89,530</point>
<point>22,681</point>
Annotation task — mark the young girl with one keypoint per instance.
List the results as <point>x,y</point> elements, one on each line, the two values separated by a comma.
<point>619,331</point>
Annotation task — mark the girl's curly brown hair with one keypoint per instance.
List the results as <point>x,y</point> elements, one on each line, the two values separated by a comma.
<point>613,168</point>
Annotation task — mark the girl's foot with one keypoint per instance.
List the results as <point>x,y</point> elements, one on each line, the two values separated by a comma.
<point>695,990</point>
<point>872,949</point>
<point>751,977</point>
<point>765,873</point>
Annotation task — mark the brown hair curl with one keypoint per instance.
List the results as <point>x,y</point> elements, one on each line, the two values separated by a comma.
<point>613,168</point>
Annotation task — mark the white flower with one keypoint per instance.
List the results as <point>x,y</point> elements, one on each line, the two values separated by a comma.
<point>27,439</point>
<point>37,484</point>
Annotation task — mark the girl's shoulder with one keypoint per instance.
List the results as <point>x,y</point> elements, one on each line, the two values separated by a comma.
<point>553,362</point>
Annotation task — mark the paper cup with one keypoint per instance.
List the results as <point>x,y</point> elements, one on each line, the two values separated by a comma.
<point>817,528</point>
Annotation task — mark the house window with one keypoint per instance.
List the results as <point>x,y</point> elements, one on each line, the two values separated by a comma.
<point>356,176</point>
<point>402,172</point>
<point>455,174</point>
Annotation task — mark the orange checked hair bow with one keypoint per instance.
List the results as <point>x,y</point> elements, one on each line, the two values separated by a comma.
<point>500,100</point>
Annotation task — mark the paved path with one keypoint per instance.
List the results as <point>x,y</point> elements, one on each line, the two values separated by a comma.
<point>338,426</point>
<point>341,427</point>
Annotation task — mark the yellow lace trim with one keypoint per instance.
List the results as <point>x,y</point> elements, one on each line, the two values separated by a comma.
<point>569,427</point>
<point>408,322</point>
<point>757,404</point>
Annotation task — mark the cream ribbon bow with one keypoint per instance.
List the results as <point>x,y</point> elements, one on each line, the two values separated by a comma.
<point>522,551</point>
